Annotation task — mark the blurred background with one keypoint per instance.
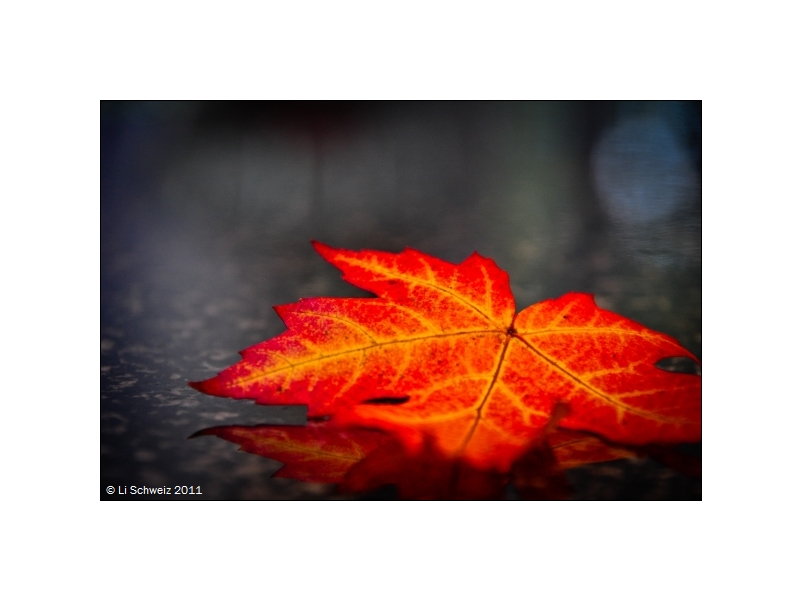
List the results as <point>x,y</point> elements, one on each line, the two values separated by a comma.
<point>207,211</point>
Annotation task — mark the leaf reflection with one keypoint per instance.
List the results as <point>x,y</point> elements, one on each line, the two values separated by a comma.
<point>362,461</point>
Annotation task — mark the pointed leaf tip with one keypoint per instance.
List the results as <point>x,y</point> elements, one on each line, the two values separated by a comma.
<point>199,433</point>
<point>323,250</point>
<point>210,386</point>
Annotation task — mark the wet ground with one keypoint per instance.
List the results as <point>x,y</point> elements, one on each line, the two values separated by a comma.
<point>207,211</point>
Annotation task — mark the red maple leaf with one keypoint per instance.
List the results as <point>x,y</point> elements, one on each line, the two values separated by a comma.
<point>441,361</point>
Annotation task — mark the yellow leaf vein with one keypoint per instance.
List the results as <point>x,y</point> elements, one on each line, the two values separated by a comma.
<point>402,276</point>
<point>617,404</point>
<point>264,374</point>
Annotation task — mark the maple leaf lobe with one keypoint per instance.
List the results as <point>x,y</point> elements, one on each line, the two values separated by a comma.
<point>431,286</point>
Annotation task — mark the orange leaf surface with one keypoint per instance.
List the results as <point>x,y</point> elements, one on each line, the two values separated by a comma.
<point>477,379</point>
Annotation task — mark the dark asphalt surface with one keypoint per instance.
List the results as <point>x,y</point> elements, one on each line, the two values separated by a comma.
<point>207,211</point>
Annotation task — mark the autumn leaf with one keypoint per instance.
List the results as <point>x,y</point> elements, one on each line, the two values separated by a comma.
<point>440,357</point>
